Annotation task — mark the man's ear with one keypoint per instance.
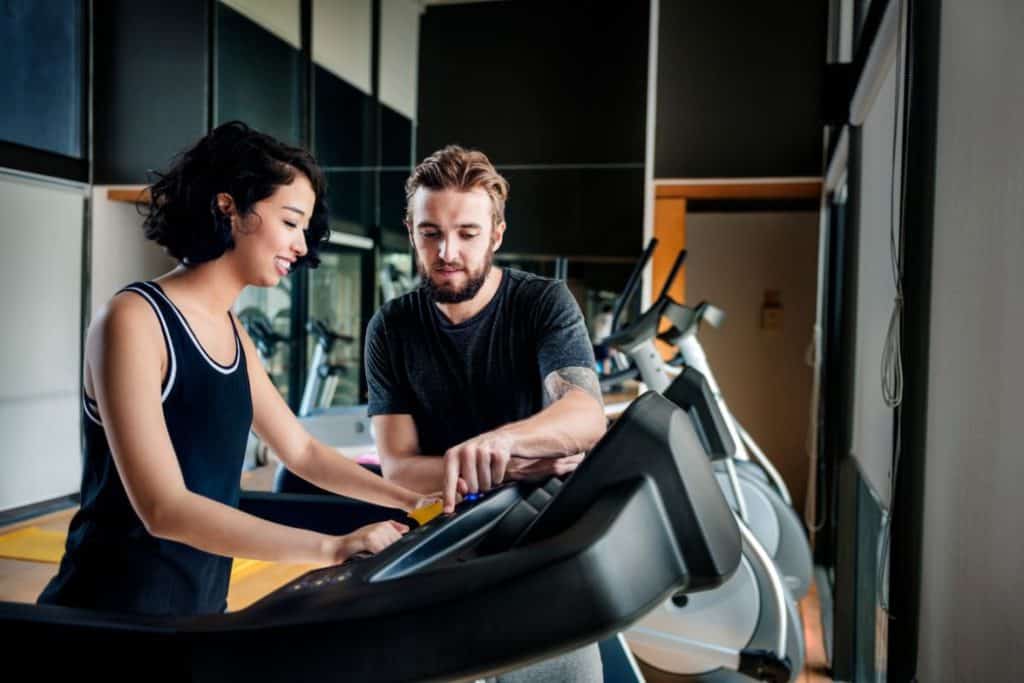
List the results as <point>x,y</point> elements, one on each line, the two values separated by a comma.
<point>499,235</point>
<point>408,230</point>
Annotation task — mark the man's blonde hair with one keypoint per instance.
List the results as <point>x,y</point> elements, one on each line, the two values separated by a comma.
<point>462,170</point>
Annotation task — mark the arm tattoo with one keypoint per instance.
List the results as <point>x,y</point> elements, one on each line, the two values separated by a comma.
<point>558,383</point>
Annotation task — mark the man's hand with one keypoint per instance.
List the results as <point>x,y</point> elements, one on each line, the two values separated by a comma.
<point>480,462</point>
<point>427,500</point>
<point>535,469</point>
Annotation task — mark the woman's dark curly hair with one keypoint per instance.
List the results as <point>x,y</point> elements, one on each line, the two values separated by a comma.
<point>183,216</point>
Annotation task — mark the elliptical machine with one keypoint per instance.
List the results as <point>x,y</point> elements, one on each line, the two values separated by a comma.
<point>683,335</point>
<point>750,626</point>
<point>791,548</point>
<point>760,506</point>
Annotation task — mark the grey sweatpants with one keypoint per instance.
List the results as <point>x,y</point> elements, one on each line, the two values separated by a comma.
<point>579,666</point>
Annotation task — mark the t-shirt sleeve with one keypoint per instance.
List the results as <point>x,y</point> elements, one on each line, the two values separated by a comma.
<point>562,340</point>
<point>388,395</point>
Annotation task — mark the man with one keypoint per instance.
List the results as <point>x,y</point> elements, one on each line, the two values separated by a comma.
<point>490,368</point>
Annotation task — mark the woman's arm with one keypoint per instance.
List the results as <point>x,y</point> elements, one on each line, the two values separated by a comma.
<point>275,423</point>
<point>400,458</point>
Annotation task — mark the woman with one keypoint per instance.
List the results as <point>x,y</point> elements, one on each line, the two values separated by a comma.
<point>173,384</point>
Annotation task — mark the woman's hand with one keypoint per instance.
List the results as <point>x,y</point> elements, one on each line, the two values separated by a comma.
<point>371,538</point>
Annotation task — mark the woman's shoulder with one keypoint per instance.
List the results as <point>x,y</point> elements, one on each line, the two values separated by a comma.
<point>126,313</point>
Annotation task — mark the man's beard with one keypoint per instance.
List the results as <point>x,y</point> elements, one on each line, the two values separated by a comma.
<point>448,295</point>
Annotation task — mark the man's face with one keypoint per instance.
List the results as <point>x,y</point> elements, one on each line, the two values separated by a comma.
<point>455,241</point>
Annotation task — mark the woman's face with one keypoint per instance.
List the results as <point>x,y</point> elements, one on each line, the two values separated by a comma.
<point>272,236</point>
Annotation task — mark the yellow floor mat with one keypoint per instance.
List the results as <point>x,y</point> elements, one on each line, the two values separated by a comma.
<point>242,568</point>
<point>33,543</point>
<point>40,545</point>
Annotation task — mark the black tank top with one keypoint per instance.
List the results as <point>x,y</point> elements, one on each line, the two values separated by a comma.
<point>111,562</point>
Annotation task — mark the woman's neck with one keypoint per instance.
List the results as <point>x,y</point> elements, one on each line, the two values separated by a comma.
<point>211,286</point>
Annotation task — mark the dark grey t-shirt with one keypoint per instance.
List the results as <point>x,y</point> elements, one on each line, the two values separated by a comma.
<point>458,381</point>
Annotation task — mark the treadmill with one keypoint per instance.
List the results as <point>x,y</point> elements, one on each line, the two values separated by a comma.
<point>514,576</point>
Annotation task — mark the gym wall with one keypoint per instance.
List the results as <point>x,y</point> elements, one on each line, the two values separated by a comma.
<point>119,252</point>
<point>733,259</point>
<point>41,228</point>
<point>972,556</point>
<point>739,89</point>
<point>555,94</point>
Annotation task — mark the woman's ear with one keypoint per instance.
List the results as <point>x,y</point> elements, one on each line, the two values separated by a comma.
<point>226,204</point>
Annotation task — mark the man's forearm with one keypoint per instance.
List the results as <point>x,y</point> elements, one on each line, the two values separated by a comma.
<point>570,425</point>
<point>420,473</point>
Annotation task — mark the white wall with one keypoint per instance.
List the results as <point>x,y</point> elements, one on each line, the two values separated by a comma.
<point>732,259</point>
<point>280,17</point>
<point>341,39</point>
<point>971,625</point>
<point>121,254</point>
<point>41,229</point>
<point>399,55</point>
<point>873,420</point>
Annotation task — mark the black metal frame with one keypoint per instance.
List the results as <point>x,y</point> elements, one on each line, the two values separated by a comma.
<point>908,515</point>
<point>298,365</point>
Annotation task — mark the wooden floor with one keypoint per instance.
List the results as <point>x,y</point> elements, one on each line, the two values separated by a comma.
<point>816,664</point>
<point>21,581</point>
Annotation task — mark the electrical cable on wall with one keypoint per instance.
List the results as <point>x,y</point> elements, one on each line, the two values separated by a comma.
<point>892,355</point>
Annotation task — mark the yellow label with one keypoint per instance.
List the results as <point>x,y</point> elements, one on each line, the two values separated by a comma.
<point>427,512</point>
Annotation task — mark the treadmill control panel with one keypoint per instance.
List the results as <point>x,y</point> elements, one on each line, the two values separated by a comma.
<point>428,523</point>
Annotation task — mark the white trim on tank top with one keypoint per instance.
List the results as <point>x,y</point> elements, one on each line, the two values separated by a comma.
<point>172,365</point>
<point>188,329</point>
<point>172,371</point>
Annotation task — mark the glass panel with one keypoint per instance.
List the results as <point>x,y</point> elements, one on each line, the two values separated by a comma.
<point>350,200</point>
<point>335,299</point>
<point>41,74</point>
<point>344,149</point>
<point>397,274</point>
<point>342,122</point>
<point>266,313</point>
<point>259,77</point>
<point>392,206</point>
<point>396,138</point>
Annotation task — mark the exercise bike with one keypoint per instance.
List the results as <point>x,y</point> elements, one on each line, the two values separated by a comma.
<point>344,427</point>
<point>266,340</point>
